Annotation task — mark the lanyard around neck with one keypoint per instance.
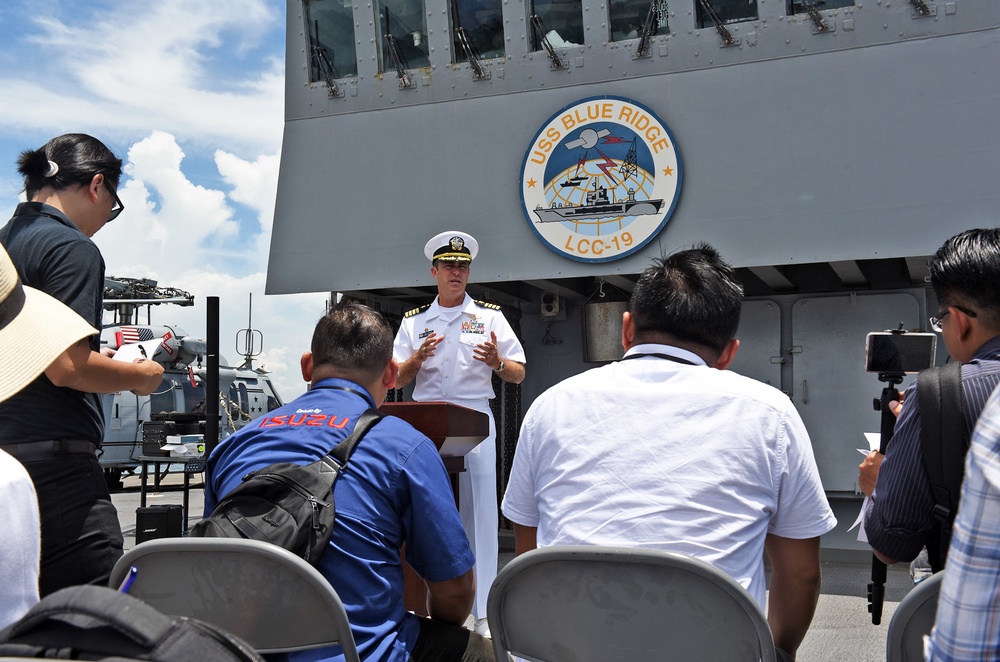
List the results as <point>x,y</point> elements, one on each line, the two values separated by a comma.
<point>675,359</point>
<point>367,398</point>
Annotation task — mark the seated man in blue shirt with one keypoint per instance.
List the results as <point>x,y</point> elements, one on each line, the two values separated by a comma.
<point>395,491</point>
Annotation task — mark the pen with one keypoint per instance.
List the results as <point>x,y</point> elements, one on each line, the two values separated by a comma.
<point>129,580</point>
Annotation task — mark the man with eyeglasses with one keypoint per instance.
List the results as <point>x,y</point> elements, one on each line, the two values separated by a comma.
<point>452,347</point>
<point>900,521</point>
<point>667,449</point>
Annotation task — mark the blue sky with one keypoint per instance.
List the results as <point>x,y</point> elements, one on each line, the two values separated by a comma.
<point>190,94</point>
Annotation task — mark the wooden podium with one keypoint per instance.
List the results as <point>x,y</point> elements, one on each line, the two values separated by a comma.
<point>455,431</point>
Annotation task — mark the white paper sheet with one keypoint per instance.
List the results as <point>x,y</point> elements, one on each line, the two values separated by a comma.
<point>138,350</point>
<point>874,440</point>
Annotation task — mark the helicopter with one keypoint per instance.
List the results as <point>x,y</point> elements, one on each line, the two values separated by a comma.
<point>245,391</point>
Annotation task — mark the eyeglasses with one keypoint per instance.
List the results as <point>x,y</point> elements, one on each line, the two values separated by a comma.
<point>118,207</point>
<point>936,320</point>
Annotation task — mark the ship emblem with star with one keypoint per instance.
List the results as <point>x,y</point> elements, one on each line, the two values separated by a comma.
<point>600,179</point>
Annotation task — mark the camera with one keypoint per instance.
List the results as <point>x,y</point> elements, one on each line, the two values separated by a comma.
<point>899,352</point>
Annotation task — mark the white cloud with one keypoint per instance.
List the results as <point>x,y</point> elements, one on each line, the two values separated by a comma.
<point>190,240</point>
<point>184,66</point>
<point>191,94</point>
<point>253,183</point>
<point>172,228</point>
<point>195,213</point>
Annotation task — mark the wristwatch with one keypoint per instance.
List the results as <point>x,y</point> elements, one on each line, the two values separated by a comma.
<point>501,367</point>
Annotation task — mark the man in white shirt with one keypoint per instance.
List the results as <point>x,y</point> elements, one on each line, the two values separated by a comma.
<point>453,347</point>
<point>668,450</point>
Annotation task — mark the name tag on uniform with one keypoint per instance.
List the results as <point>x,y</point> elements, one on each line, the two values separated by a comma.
<point>426,332</point>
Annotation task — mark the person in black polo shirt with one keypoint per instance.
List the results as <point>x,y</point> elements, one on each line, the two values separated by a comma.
<point>56,424</point>
<point>34,330</point>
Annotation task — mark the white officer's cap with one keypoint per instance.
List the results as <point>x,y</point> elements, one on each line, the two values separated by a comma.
<point>452,245</point>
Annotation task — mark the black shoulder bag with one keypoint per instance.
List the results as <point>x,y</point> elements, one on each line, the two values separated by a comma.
<point>286,504</point>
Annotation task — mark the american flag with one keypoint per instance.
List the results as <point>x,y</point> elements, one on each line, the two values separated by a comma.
<point>132,334</point>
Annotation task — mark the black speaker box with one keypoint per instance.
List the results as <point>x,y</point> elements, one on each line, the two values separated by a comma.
<point>157,522</point>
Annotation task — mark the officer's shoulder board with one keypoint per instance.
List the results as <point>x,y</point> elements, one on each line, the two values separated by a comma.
<point>416,311</point>
<point>486,304</point>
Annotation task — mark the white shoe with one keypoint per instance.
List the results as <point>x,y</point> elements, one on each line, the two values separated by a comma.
<point>481,626</point>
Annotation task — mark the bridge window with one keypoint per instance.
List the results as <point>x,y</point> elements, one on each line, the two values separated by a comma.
<point>233,404</point>
<point>402,30</point>
<point>727,11</point>
<point>332,51</point>
<point>163,399</point>
<point>561,21</point>
<point>628,17</point>
<point>194,397</point>
<point>273,399</point>
<point>803,6</point>
<point>477,29</point>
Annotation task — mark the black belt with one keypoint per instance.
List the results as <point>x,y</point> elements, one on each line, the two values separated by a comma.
<point>30,451</point>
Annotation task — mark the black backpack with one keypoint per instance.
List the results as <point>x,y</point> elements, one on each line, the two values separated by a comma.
<point>944,444</point>
<point>286,504</point>
<point>97,623</point>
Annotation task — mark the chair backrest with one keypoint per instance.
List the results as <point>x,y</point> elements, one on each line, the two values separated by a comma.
<point>913,618</point>
<point>262,593</point>
<point>580,604</point>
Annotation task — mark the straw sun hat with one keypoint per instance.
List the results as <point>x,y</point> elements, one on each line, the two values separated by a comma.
<point>34,330</point>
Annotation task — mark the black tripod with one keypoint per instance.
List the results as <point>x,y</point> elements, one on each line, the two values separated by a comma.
<point>876,589</point>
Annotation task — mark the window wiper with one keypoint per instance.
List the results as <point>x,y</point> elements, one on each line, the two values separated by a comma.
<point>649,28</point>
<point>727,37</point>
<point>323,63</point>
<point>463,39</point>
<point>536,21</point>
<point>816,17</point>
<point>397,59</point>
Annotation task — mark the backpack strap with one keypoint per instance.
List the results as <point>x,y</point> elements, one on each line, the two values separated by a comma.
<point>944,442</point>
<point>345,449</point>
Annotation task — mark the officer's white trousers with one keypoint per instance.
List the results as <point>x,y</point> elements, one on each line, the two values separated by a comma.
<point>477,504</point>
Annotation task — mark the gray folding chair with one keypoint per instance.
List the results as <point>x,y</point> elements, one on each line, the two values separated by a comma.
<point>603,604</point>
<point>266,595</point>
<point>914,617</point>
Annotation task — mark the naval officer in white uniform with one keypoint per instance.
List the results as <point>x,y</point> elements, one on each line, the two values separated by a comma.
<point>453,347</point>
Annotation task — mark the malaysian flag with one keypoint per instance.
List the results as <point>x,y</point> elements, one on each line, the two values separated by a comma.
<point>131,334</point>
